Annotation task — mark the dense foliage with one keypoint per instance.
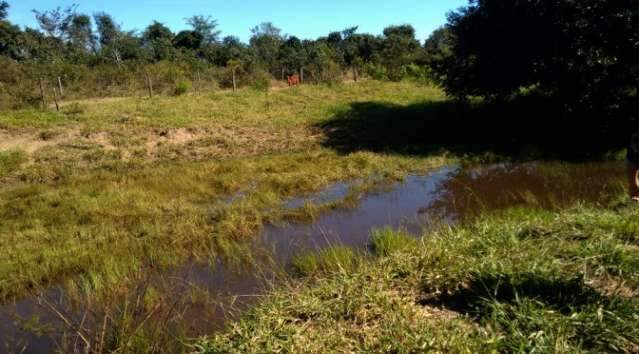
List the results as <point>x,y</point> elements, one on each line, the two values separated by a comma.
<point>93,55</point>
<point>583,53</point>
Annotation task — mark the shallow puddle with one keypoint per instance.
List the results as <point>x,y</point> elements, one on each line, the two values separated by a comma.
<point>447,195</point>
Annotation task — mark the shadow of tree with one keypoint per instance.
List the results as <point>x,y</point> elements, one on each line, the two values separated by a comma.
<point>525,128</point>
<point>562,295</point>
<point>533,313</point>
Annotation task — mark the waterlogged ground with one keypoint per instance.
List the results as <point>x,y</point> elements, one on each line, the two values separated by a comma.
<point>199,297</point>
<point>139,224</point>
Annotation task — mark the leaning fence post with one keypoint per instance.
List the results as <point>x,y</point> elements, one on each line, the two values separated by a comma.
<point>60,87</point>
<point>55,99</point>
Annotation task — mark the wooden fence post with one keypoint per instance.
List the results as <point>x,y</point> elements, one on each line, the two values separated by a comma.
<point>55,99</point>
<point>42,96</point>
<point>60,87</point>
<point>234,81</point>
<point>149,84</point>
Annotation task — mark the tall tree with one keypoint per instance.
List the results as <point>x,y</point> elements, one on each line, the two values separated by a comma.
<point>116,45</point>
<point>438,52</point>
<point>190,40</point>
<point>55,22</point>
<point>584,53</point>
<point>10,34</point>
<point>265,43</point>
<point>293,54</point>
<point>206,27</point>
<point>158,40</point>
<point>4,10</point>
<point>351,50</point>
<point>399,49</point>
<point>80,33</point>
<point>231,48</point>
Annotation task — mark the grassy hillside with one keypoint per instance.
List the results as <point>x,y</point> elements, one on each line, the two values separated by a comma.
<point>522,281</point>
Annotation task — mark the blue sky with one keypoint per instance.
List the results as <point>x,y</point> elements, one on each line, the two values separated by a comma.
<point>303,18</point>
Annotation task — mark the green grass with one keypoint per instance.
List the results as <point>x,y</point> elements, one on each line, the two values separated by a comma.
<point>93,202</point>
<point>332,259</point>
<point>289,107</point>
<point>11,161</point>
<point>387,241</point>
<point>522,281</point>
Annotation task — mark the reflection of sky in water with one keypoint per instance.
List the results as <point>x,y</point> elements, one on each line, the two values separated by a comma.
<point>442,196</point>
<point>334,193</point>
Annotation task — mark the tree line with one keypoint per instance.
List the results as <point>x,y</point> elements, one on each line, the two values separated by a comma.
<point>93,54</point>
<point>583,55</point>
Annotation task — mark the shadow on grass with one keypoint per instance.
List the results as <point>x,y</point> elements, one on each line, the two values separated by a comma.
<point>526,128</point>
<point>535,314</point>
<point>562,295</point>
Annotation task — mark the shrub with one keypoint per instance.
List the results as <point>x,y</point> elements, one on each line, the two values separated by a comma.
<point>182,87</point>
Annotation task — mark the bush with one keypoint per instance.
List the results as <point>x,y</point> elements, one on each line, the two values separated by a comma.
<point>377,72</point>
<point>182,87</point>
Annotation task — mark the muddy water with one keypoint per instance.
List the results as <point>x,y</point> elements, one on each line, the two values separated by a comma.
<point>447,195</point>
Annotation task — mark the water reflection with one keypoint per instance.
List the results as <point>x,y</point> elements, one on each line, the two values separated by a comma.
<point>210,294</point>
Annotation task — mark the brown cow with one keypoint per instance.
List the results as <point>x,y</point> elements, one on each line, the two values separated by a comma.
<point>293,80</point>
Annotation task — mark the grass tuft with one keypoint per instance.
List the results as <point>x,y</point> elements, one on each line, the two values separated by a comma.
<point>387,241</point>
<point>332,259</point>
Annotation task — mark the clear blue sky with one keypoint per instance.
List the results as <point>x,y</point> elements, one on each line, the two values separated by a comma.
<point>303,18</point>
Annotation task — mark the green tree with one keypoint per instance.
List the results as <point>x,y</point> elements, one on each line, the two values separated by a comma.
<point>158,40</point>
<point>4,10</point>
<point>81,39</point>
<point>108,30</point>
<point>293,55</point>
<point>205,27</point>
<point>584,53</point>
<point>438,52</point>
<point>230,48</point>
<point>189,40</point>
<point>399,49</point>
<point>351,50</point>
<point>10,35</point>
<point>265,44</point>
<point>114,44</point>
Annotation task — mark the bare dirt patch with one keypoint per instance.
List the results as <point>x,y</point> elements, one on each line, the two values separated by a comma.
<point>227,141</point>
<point>32,141</point>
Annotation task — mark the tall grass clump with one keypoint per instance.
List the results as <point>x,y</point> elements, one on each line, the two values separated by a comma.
<point>11,161</point>
<point>386,241</point>
<point>332,259</point>
<point>525,280</point>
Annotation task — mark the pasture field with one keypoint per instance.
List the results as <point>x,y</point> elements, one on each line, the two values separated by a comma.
<point>108,187</point>
<point>98,197</point>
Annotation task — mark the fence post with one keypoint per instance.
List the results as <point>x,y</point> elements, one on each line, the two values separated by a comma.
<point>149,84</point>
<point>60,87</point>
<point>55,99</point>
<point>234,81</point>
<point>42,96</point>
